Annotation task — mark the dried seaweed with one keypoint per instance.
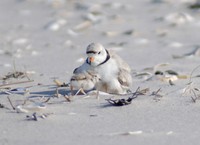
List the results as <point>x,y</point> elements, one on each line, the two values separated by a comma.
<point>16,75</point>
<point>195,6</point>
<point>35,116</point>
<point>122,102</point>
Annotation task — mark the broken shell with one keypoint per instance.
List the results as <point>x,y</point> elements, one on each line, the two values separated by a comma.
<point>133,132</point>
<point>167,78</point>
<point>127,133</point>
<point>141,41</point>
<point>20,41</point>
<point>169,132</point>
<point>178,18</point>
<point>20,109</point>
<point>72,33</point>
<point>82,26</point>
<point>93,18</point>
<point>34,53</point>
<point>56,25</point>
<point>32,107</point>
<point>111,33</point>
<point>175,44</point>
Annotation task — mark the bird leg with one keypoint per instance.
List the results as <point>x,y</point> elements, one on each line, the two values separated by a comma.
<point>80,90</point>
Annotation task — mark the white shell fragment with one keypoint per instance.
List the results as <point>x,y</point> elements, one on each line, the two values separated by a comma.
<point>141,41</point>
<point>20,109</point>
<point>31,107</point>
<point>56,25</point>
<point>127,133</point>
<point>167,78</point>
<point>20,41</point>
<point>169,133</point>
<point>72,32</point>
<point>178,18</point>
<point>93,18</point>
<point>83,26</point>
<point>175,44</point>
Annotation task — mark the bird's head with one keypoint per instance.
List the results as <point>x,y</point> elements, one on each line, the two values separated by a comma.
<point>96,54</point>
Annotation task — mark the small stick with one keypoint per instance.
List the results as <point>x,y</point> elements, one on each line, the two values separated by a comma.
<point>17,83</point>
<point>11,103</point>
<point>47,100</point>
<point>67,98</point>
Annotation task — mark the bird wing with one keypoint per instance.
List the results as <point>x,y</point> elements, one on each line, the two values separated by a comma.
<point>124,74</point>
<point>120,62</point>
<point>125,78</point>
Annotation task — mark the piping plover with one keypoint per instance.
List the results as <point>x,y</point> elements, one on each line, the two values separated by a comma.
<point>114,72</point>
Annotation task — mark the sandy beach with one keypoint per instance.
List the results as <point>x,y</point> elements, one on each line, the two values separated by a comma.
<point>45,40</point>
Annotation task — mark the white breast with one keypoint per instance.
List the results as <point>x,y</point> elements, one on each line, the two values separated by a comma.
<point>108,70</point>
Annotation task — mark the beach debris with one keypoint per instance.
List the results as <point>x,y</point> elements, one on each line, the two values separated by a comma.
<point>111,33</point>
<point>117,33</point>
<point>21,90</point>
<point>195,52</point>
<point>168,75</point>
<point>141,41</point>
<point>157,95</point>
<point>20,109</point>
<point>2,106</point>
<point>178,18</point>
<point>20,41</point>
<point>195,5</point>
<point>176,44</point>
<point>35,116</point>
<point>13,83</point>
<point>161,32</point>
<point>116,5</point>
<point>59,84</point>
<point>94,17</point>
<point>32,117</point>
<point>30,107</point>
<point>122,102</point>
<point>143,75</point>
<point>169,133</point>
<point>192,90</point>
<point>72,32</point>
<point>11,104</point>
<point>82,26</point>
<point>68,98</point>
<point>16,75</point>
<point>56,25</point>
<point>93,115</point>
<point>155,68</point>
<point>138,132</point>
<point>72,113</point>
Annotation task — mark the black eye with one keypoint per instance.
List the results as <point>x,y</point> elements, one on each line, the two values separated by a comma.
<point>99,52</point>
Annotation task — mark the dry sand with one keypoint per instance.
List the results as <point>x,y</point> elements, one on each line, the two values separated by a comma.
<point>48,38</point>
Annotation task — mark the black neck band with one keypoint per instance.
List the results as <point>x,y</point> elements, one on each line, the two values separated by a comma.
<point>107,58</point>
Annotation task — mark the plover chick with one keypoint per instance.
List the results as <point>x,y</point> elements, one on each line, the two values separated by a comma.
<point>114,72</point>
<point>83,81</point>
